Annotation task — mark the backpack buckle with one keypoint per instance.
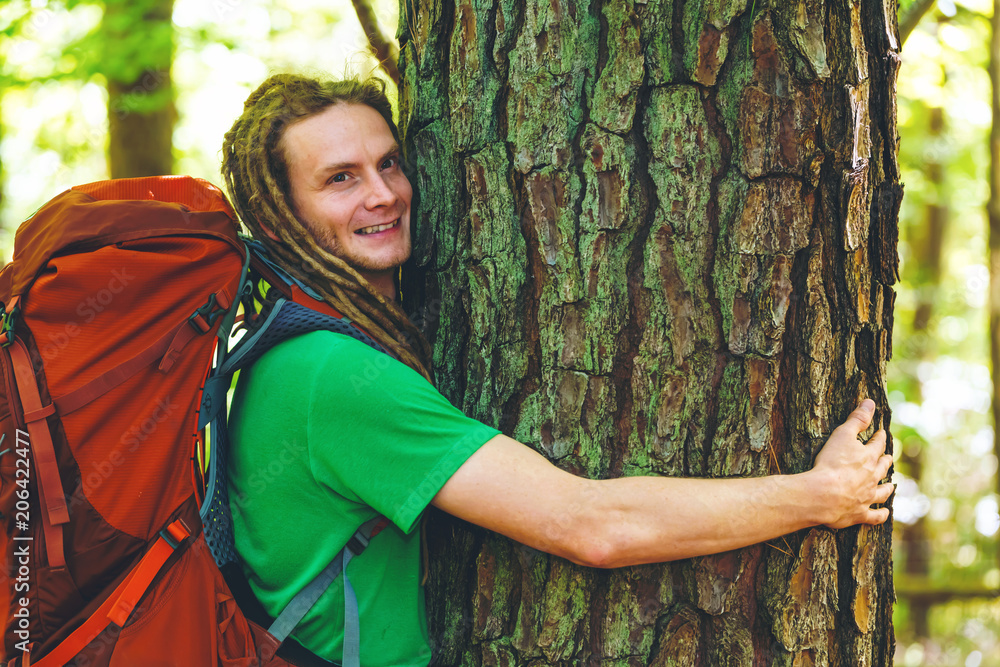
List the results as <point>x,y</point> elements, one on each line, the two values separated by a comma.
<point>8,318</point>
<point>175,533</point>
<point>357,544</point>
<point>203,318</point>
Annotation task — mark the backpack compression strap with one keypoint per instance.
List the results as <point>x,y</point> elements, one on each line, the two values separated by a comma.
<point>117,608</point>
<point>55,512</point>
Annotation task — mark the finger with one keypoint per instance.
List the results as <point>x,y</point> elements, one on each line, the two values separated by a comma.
<point>883,492</point>
<point>875,446</point>
<point>860,419</point>
<point>878,439</point>
<point>883,465</point>
<point>875,517</point>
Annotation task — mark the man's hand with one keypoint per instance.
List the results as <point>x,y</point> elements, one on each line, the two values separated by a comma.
<point>848,473</point>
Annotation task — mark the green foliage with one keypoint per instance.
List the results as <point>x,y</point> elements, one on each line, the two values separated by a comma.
<point>40,44</point>
<point>56,57</point>
<point>939,377</point>
<point>135,37</point>
<point>131,37</point>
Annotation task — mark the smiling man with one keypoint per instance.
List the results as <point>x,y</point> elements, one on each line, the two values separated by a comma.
<point>314,170</point>
<point>349,189</point>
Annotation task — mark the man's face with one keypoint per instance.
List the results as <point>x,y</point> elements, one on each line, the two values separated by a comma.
<point>349,189</point>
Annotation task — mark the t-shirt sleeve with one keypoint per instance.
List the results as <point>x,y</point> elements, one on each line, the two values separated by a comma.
<point>380,434</point>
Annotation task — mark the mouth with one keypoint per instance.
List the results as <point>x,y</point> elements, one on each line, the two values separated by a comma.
<point>375,229</point>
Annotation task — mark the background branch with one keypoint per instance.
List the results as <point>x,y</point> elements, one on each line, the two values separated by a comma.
<point>911,17</point>
<point>385,49</point>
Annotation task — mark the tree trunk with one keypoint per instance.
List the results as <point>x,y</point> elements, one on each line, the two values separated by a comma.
<point>993,212</point>
<point>657,239</point>
<point>3,182</point>
<point>928,246</point>
<point>141,111</point>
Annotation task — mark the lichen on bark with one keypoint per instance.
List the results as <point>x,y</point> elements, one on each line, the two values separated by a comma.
<point>659,239</point>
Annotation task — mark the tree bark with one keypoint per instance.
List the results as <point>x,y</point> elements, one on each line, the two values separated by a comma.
<point>141,110</point>
<point>657,238</point>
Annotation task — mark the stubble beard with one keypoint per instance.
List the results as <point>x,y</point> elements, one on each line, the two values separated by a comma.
<point>327,240</point>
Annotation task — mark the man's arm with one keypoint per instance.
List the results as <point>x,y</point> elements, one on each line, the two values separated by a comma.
<point>511,489</point>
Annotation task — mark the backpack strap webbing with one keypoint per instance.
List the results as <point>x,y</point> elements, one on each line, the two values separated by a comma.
<point>295,610</point>
<point>119,605</point>
<point>352,617</point>
<point>55,513</point>
<point>255,613</point>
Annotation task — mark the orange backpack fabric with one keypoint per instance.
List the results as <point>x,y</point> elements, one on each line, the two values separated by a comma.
<point>112,302</point>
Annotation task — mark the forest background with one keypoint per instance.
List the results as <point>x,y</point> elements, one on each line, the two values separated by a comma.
<point>56,59</point>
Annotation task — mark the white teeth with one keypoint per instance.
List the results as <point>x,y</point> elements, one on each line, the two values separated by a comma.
<point>378,228</point>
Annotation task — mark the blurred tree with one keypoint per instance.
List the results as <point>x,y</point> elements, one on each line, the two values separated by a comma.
<point>928,247</point>
<point>927,253</point>
<point>993,214</point>
<point>939,379</point>
<point>3,180</point>
<point>657,238</point>
<point>130,49</point>
<point>136,38</point>
<point>57,55</point>
<point>910,14</point>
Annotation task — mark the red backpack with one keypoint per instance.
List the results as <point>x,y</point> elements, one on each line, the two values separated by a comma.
<point>114,307</point>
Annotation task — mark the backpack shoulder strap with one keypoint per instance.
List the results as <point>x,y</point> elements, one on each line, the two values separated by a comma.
<point>295,610</point>
<point>285,320</point>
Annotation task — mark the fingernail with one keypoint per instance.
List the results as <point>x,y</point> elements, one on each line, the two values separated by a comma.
<point>868,405</point>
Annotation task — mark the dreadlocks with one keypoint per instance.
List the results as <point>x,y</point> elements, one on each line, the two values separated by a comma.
<point>253,164</point>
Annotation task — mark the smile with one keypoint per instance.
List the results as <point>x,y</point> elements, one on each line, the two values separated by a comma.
<point>375,229</point>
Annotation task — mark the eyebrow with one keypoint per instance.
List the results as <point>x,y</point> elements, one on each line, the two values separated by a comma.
<point>342,166</point>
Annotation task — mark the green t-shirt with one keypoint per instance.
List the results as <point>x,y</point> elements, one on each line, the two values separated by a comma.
<point>328,433</point>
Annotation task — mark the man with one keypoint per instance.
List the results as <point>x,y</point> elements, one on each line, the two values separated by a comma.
<point>314,170</point>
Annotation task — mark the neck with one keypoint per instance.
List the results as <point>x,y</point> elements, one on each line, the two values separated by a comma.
<point>384,282</point>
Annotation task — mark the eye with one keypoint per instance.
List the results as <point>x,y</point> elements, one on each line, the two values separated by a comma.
<point>390,162</point>
<point>337,178</point>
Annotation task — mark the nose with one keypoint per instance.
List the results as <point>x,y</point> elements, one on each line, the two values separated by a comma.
<point>380,193</point>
